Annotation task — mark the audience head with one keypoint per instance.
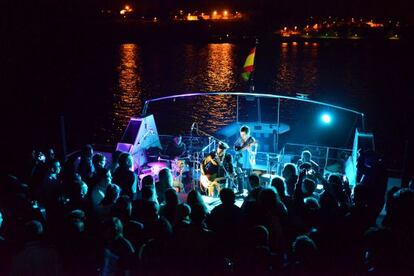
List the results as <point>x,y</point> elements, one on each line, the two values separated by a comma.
<point>99,161</point>
<point>150,211</point>
<point>376,248</point>
<point>194,198</point>
<point>280,185</point>
<point>33,230</point>
<point>306,156</point>
<point>103,177</point>
<point>78,189</point>
<point>304,249</point>
<point>183,212</point>
<point>1,219</point>
<point>148,193</point>
<point>38,157</point>
<point>165,177</point>
<point>171,197</point>
<point>87,151</point>
<point>254,181</point>
<point>289,170</point>
<point>308,186</point>
<point>335,182</point>
<point>126,161</point>
<point>259,236</point>
<point>360,195</point>
<point>269,200</point>
<point>198,214</point>
<point>113,228</point>
<point>77,220</point>
<point>400,209</point>
<point>115,155</point>
<point>311,204</point>
<point>111,194</point>
<point>50,154</point>
<point>148,181</point>
<point>115,160</point>
<point>54,166</point>
<point>123,207</point>
<point>227,196</point>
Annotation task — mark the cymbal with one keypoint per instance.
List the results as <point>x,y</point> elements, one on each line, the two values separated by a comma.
<point>158,164</point>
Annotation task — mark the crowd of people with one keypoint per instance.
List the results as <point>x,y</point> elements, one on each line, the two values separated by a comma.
<point>88,217</point>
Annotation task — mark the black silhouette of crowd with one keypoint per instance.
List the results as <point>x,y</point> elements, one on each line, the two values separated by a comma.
<point>89,217</point>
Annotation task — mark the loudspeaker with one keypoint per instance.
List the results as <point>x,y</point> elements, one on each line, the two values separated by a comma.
<point>140,135</point>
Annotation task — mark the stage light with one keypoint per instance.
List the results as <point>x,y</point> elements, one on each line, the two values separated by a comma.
<point>326,118</point>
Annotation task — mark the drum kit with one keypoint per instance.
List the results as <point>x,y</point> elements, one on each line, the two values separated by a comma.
<point>180,170</point>
<point>186,171</point>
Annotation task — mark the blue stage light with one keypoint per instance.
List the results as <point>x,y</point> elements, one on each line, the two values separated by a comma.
<point>326,118</point>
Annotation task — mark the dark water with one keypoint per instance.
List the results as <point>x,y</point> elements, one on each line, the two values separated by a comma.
<point>99,86</point>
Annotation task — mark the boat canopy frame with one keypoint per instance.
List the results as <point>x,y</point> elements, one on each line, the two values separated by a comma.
<point>258,95</point>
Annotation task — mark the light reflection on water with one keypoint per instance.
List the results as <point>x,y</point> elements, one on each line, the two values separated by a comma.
<point>214,112</point>
<point>201,68</point>
<point>297,71</point>
<point>126,98</point>
<point>209,68</point>
<point>221,70</point>
<point>221,73</point>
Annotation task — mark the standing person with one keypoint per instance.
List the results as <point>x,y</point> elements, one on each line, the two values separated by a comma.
<point>306,162</point>
<point>217,167</point>
<point>118,254</point>
<point>85,167</point>
<point>246,149</point>
<point>98,191</point>
<point>124,177</point>
<point>99,161</point>
<point>289,173</point>
<point>165,182</point>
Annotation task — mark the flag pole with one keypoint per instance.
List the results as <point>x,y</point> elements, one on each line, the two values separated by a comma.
<point>251,86</point>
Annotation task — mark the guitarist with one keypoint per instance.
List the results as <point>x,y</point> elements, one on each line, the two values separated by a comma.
<point>217,167</point>
<point>246,149</point>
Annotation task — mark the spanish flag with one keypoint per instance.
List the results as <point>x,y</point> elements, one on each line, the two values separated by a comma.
<point>249,65</point>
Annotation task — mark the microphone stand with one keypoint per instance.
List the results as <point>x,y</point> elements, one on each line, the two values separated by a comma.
<point>208,135</point>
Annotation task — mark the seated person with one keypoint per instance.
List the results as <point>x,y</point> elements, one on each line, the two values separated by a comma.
<point>176,148</point>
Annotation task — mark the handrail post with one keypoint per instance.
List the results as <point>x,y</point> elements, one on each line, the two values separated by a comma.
<point>363,121</point>
<point>326,158</point>
<point>237,109</point>
<point>278,125</point>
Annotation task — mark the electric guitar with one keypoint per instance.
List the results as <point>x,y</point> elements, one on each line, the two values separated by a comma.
<point>209,169</point>
<point>250,147</point>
